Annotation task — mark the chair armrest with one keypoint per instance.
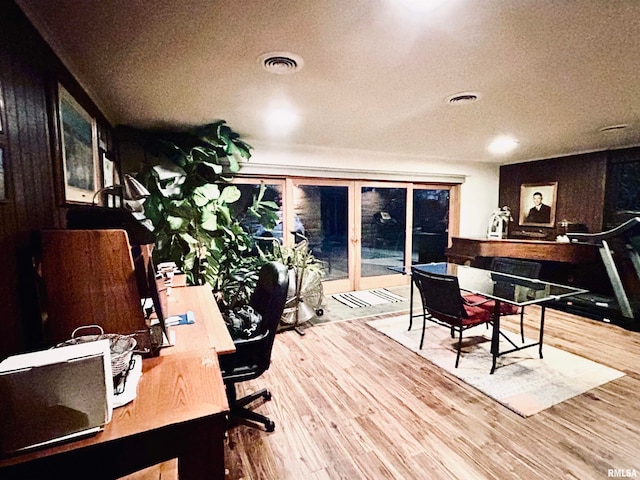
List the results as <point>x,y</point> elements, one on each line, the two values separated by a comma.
<point>243,343</point>
<point>475,304</point>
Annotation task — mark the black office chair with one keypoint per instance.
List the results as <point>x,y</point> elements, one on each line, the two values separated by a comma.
<point>442,303</point>
<point>512,266</point>
<point>253,355</point>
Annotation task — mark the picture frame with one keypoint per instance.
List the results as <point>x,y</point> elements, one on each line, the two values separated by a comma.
<point>538,204</point>
<point>78,147</point>
<point>1,111</point>
<point>3,183</point>
<point>108,170</point>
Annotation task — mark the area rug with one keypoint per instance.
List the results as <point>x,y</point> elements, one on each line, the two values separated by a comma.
<point>335,311</point>
<point>367,298</point>
<point>522,381</point>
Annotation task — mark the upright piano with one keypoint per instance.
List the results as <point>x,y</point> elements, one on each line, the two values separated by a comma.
<point>475,250</point>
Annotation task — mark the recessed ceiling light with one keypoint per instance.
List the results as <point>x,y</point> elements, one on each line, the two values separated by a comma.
<point>420,6</point>
<point>281,63</point>
<point>614,128</point>
<point>502,145</point>
<point>463,98</point>
<point>281,121</point>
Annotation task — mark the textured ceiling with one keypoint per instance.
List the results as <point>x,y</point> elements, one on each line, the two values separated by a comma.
<point>376,75</point>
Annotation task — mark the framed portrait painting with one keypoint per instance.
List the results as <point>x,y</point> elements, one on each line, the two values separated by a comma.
<point>538,204</point>
<point>79,150</point>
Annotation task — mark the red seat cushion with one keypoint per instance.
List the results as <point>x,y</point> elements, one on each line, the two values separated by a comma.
<point>476,315</point>
<point>505,308</point>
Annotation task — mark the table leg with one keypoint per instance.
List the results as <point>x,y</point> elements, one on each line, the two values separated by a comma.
<point>410,302</point>
<point>204,459</point>
<point>495,336</point>
<point>541,329</point>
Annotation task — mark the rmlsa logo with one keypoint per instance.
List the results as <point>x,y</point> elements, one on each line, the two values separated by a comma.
<point>622,473</point>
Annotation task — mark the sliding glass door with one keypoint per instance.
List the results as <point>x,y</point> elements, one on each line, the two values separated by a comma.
<point>323,208</point>
<point>430,221</point>
<point>364,233</point>
<point>383,226</point>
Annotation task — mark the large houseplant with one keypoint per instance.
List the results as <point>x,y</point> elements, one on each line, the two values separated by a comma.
<point>188,174</point>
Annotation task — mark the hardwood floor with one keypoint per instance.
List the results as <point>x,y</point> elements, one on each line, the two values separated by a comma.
<point>350,403</point>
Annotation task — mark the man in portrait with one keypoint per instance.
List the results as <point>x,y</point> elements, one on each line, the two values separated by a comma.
<point>539,213</point>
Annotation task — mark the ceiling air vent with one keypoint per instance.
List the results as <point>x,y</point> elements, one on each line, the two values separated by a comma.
<point>462,98</point>
<point>614,128</point>
<point>281,63</point>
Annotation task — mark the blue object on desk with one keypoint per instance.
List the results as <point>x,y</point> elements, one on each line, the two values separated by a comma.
<point>183,319</point>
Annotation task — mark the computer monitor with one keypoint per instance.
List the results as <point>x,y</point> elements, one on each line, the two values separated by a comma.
<point>155,289</point>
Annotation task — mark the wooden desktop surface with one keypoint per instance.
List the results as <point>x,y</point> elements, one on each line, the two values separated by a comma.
<point>209,329</point>
<point>180,410</point>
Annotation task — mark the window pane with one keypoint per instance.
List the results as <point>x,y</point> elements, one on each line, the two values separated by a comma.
<point>252,225</point>
<point>383,230</point>
<point>430,225</point>
<point>322,213</point>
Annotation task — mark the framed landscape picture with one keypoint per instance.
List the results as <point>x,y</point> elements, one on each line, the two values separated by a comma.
<point>538,204</point>
<point>3,188</point>
<point>79,150</point>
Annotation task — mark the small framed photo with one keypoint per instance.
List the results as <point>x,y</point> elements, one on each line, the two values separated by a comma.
<point>108,170</point>
<point>3,185</point>
<point>79,150</point>
<point>538,204</point>
<point>1,110</point>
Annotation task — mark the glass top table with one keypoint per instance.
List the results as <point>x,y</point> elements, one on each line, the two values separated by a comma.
<point>501,287</point>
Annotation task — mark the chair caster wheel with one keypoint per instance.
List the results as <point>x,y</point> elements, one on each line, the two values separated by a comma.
<point>270,426</point>
<point>319,312</point>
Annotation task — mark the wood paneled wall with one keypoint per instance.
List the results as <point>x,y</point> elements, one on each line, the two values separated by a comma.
<point>28,72</point>
<point>581,188</point>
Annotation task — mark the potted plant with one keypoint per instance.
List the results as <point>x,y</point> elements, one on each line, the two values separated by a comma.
<point>188,175</point>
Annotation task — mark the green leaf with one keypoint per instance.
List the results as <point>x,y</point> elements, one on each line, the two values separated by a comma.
<point>205,194</point>
<point>234,165</point>
<point>188,238</point>
<point>177,223</point>
<point>225,213</point>
<point>217,169</point>
<point>230,194</point>
<point>209,221</point>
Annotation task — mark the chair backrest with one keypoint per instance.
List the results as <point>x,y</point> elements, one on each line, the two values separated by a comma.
<point>440,295</point>
<point>268,299</point>
<point>521,268</point>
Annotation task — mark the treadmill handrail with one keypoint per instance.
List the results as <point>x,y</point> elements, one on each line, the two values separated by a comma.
<point>597,238</point>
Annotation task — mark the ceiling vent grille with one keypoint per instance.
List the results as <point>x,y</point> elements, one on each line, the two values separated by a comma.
<point>462,98</point>
<point>281,63</point>
<point>614,128</point>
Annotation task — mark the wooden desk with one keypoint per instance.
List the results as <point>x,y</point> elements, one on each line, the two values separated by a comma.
<point>210,331</point>
<point>472,249</point>
<point>180,412</point>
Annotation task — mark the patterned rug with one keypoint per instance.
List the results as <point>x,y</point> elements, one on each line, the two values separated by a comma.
<point>522,381</point>
<point>367,298</point>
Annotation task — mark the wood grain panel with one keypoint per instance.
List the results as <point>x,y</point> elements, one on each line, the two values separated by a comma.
<point>28,68</point>
<point>89,279</point>
<point>581,187</point>
<point>471,248</point>
<point>209,329</point>
<point>28,173</point>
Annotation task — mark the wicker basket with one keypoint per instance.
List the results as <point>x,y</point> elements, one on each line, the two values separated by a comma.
<point>121,346</point>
